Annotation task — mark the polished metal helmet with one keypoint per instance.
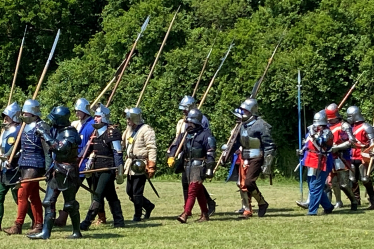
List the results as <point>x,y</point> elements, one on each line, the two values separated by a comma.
<point>32,106</point>
<point>138,166</point>
<point>332,111</point>
<point>354,115</point>
<point>135,115</point>
<point>59,116</point>
<point>103,112</point>
<point>187,103</point>
<point>13,111</point>
<point>195,116</point>
<point>82,105</point>
<point>251,106</point>
<point>320,118</point>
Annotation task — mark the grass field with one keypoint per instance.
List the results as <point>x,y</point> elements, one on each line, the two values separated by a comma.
<point>284,226</point>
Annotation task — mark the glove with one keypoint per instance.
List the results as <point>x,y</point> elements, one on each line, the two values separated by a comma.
<point>299,152</point>
<point>151,169</point>
<point>371,153</point>
<point>171,162</point>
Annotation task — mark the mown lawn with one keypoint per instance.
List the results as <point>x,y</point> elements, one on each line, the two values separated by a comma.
<point>284,226</point>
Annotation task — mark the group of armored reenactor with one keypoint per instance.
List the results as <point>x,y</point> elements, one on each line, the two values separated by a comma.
<point>64,151</point>
<point>337,154</point>
<point>91,149</point>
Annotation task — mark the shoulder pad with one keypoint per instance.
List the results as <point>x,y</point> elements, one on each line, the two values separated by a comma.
<point>71,134</point>
<point>113,134</point>
<point>265,123</point>
<point>212,142</point>
<point>43,125</point>
<point>346,126</point>
<point>369,130</point>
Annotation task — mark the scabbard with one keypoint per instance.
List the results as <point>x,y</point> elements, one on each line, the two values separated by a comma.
<point>153,187</point>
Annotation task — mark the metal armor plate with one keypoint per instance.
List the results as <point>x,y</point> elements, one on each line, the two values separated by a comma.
<point>247,141</point>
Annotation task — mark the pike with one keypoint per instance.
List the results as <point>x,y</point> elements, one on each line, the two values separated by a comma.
<point>350,90</point>
<point>119,73</point>
<point>205,94</point>
<point>235,131</point>
<point>299,126</point>
<point>202,70</point>
<point>158,55</point>
<point>119,69</point>
<point>36,93</point>
<point>17,66</point>
<point>144,26</point>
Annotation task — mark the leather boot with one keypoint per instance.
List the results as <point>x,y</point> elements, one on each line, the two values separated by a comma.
<point>148,207</point>
<point>37,229</point>
<point>15,229</point>
<point>262,204</point>
<point>183,217</point>
<point>62,218</point>
<point>101,219</point>
<point>211,207</point>
<point>115,208</point>
<point>203,217</point>
<point>90,217</point>
<point>75,219</point>
<point>49,220</point>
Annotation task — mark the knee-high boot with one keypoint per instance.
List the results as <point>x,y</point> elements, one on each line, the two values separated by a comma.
<point>49,220</point>
<point>115,208</point>
<point>91,214</point>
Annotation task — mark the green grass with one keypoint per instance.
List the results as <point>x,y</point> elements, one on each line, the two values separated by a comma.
<point>284,226</point>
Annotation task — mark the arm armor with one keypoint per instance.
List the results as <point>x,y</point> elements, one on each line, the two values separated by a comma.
<point>118,158</point>
<point>113,134</point>
<point>369,132</point>
<point>346,127</point>
<point>343,146</point>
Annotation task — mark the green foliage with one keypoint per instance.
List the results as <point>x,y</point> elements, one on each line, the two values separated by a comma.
<point>330,41</point>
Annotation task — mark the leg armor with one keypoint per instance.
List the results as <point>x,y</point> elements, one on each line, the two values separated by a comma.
<point>337,192</point>
<point>352,173</point>
<point>363,174</point>
<point>345,186</point>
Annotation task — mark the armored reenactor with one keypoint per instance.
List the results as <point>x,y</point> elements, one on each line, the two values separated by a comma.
<point>256,147</point>
<point>32,163</point>
<point>188,103</point>
<point>198,158</point>
<point>342,142</point>
<point>105,152</point>
<point>364,135</point>
<point>139,139</point>
<point>85,130</point>
<point>63,175</point>
<point>9,173</point>
<point>318,159</point>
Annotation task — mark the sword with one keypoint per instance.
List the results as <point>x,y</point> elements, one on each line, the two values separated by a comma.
<point>88,189</point>
<point>153,187</point>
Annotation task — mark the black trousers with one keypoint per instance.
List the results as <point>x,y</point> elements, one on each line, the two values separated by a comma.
<point>135,190</point>
<point>103,185</point>
<point>185,188</point>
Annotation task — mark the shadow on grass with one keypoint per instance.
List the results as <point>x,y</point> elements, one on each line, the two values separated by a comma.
<point>348,211</point>
<point>102,236</point>
<point>141,225</point>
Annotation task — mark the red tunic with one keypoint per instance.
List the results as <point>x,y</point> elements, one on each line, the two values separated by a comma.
<point>362,140</point>
<point>311,156</point>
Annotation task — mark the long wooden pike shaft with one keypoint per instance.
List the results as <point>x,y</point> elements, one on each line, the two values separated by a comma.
<point>121,74</point>
<point>201,73</point>
<point>158,55</point>
<point>350,91</point>
<point>36,93</point>
<point>227,152</point>
<point>17,67</point>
